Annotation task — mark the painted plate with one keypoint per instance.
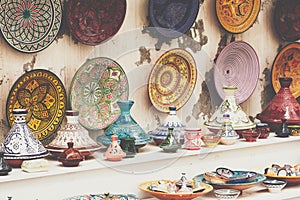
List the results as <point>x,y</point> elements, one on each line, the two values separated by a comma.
<point>237,65</point>
<point>172,80</point>
<point>237,16</point>
<point>172,18</point>
<point>103,197</point>
<point>30,26</point>
<point>92,22</point>
<point>287,19</point>
<point>288,179</point>
<point>287,64</point>
<point>43,95</point>
<point>95,89</point>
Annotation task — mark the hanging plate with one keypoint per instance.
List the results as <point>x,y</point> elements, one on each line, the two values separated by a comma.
<point>236,16</point>
<point>95,89</point>
<point>43,95</point>
<point>237,65</point>
<point>92,22</point>
<point>30,26</point>
<point>172,80</point>
<point>287,64</point>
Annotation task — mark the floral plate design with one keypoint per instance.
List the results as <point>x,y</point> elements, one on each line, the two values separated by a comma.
<point>104,197</point>
<point>92,22</point>
<point>237,16</point>
<point>95,89</point>
<point>43,95</point>
<point>287,64</point>
<point>172,80</point>
<point>30,26</point>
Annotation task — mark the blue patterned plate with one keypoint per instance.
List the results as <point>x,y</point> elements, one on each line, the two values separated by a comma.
<point>104,197</point>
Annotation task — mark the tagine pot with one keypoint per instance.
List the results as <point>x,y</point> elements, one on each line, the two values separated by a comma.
<point>114,152</point>
<point>282,106</point>
<point>73,132</point>
<point>125,126</point>
<point>20,143</point>
<point>70,156</point>
<point>239,120</point>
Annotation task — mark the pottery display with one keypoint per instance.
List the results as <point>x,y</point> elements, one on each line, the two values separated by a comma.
<point>114,152</point>
<point>192,138</point>
<point>5,168</point>
<point>127,145</point>
<point>283,105</point>
<point>70,156</point>
<point>125,126</point>
<point>170,143</point>
<point>20,143</point>
<point>72,131</point>
<point>105,196</point>
<point>171,121</point>
<point>227,133</point>
<point>239,119</point>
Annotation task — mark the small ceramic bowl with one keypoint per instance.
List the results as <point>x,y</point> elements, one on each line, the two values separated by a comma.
<point>229,140</point>
<point>263,129</point>
<point>274,185</point>
<point>211,139</point>
<point>250,135</point>
<point>294,129</point>
<point>223,194</point>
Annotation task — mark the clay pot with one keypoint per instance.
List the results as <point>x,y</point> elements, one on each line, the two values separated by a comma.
<point>71,157</point>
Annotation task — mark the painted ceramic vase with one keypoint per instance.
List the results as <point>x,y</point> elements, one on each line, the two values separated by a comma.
<point>240,121</point>
<point>125,126</point>
<point>20,143</point>
<point>70,156</point>
<point>172,121</point>
<point>5,168</point>
<point>283,105</point>
<point>114,152</point>
<point>73,132</point>
<point>128,146</point>
<point>227,133</point>
<point>192,138</point>
<point>284,131</point>
<point>170,143</point>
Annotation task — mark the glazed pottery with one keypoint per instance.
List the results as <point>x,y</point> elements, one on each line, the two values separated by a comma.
<point>294,129</point>
<point>125,126</point>
<point>70,157</point>
<point>192,138</point>
<point>171,121</point>
<point>114,152</point>
<point>274,185</point>
<point>225,194</point>
<point>239,119</point>
<point>250,135</point>
<point>283,105</point>
<point>211,140</point>
<point>263,129</point>
<point>170,144</point>
<point>127,144</point>
<point>20,143</point>
<point>37,165</point>
<point>227,133</point>
<point>283,131</point>
<point>73,132</point>
<point>5,168</point>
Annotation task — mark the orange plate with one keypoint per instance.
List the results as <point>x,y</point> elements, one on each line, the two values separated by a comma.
<point>288,179</point>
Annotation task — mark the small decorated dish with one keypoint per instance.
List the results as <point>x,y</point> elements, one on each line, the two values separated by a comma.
<point>288,173</point>
<point>225,194</point>
<point>104,196</point>
<point>211,140</point>
<point>274,185</point>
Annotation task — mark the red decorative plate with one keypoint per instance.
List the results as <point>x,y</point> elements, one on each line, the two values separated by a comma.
<point>172,79</point>
<point>287,64</point>
<point>92,22</point>
<point>237,65</point>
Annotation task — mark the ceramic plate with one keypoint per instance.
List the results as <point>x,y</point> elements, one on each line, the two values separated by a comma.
<point>172,80</point>
<point>30,26</point>
<point>237,65</point>
<point>287,64</point>
<point>43,95</point>
<point>286,20</point>
<point>288,179</point>
<point>95,89</point>
<point>102,197</point>
<point>168,196</point>
<point>172,18</point>
<point>237,16</point>
<point>237,186</point>
<point>95,21</point>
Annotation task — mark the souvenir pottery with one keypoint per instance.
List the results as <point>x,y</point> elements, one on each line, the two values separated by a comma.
<point>127,144</point>
<point>37,165</point>
<point>295,130</point>
<point>274,186</point>
<point>263,129</point>
<point>170,144</point>
<point>240,121</point>
<point>192,138</point>
<point>172,121</point>
<point>70,157</point>
<point>73,132</point>
<point>5,168</point>
<point>20,143</point>
<point>284,130</point>
<point>250,135</point>
<point>125,126</point>
<point>227,133</point>
<point>283,105</point>
<point>211,140</point>
<point>114,152</point>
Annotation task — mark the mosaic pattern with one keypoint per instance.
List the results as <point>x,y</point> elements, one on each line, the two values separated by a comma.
<point>104,197</point>
<point>172,80</point>
<point>43,95</point>
<point>236,16</point>
<point>95,89</point>
<point>30,26</point>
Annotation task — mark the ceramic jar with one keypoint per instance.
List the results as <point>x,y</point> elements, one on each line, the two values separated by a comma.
<point>227,133</point>
<point>20,143</point>
<point>73,132</point>
<point>192,138</point>
<point>4,166</point>
<point>283,131</point>
<point>170,143</point>
<point>127,145</point>
<point>114,152</point>
<point>70,156</point>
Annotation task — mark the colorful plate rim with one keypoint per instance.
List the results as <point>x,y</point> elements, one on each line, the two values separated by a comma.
<point>288,179</point>
<point>94,196</point>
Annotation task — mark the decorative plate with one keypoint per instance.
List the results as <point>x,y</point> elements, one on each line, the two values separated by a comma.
<point>103,197</point>
<point>95,89</point>
<point>172,18</point>
<point>237,65</point>
<point>240,185</point>
<point>237,16</point>
<point>30,26</point>
<point>286,20</point>
<point>288,179</point>
<point>172,79</point>
<point>43,95</point>
<point>92,22</point>
<point>287,64</point>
